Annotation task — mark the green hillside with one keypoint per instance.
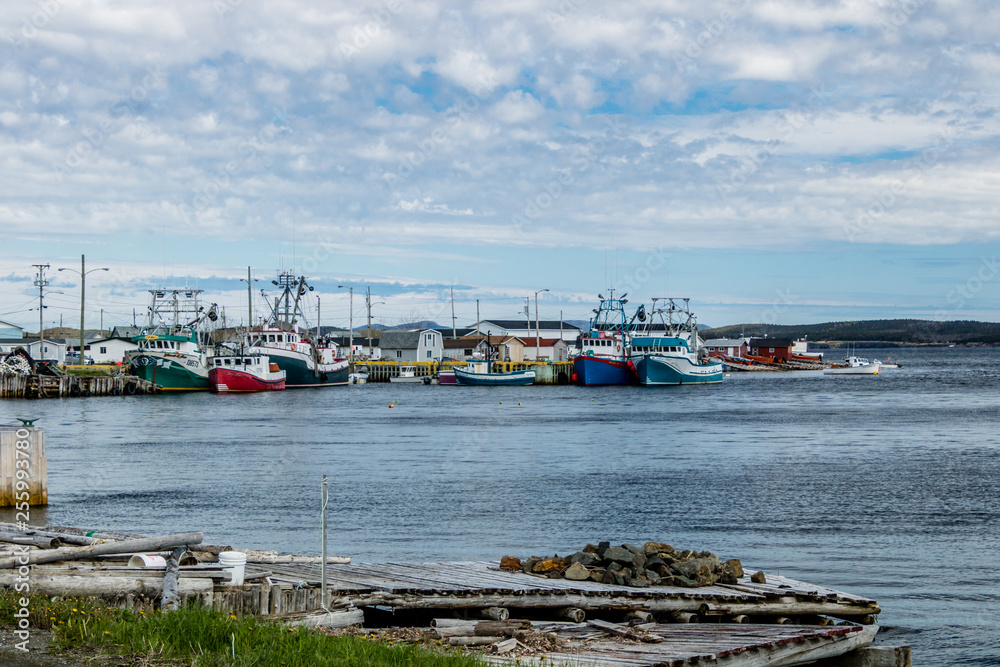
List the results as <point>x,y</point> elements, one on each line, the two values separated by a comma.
<point>900,332</point>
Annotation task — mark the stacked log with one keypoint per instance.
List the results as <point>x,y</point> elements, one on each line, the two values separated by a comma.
<point>652,564</point>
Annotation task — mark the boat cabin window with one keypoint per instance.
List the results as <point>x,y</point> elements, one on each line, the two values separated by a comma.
<point>270,338</point>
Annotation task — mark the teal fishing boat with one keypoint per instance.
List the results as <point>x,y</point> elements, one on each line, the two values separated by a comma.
<point>171,353</point>
<point>478,373</point>
<point>670,353</point>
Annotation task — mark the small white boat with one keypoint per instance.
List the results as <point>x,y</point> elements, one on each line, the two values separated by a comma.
<point>853,366</point>
<point>357,378</point>
<point>408,374</point>
<point>885,365</point>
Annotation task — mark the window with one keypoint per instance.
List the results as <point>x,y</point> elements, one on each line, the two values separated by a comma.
<point>770,349</point>
<point>428,354</point>
<point>103,350</point>
<point>399,354</point>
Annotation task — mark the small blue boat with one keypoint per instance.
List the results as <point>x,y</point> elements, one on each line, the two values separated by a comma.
<point>477,373</point>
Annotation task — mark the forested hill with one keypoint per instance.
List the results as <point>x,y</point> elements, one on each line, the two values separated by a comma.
<point>905,332</point>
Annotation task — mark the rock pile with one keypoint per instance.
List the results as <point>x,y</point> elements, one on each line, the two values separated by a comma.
<point>652,564</point>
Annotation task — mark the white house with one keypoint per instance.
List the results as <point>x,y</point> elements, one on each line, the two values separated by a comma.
<point>549,349</point>
<point>104,350</point>
<point>9,330</point>
<point>55,350</point>
<point>399,345</point>
<point>525,331</point>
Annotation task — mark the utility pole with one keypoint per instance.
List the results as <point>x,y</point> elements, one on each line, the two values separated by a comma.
<point>477,317</point>
<point>537,335</point>
<point>249,301</point>
<point>42,283</point>
<point>350,334</point>
<point>368,301</point>
<point>454,335</point>
<point>83,289</point>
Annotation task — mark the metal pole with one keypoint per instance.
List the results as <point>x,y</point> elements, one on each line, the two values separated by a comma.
<point>41,282</point>
<point>477,317</point>
<point>537,334</point>
<point>249,301</point>
<point>83,287</point>
<point>350,334</point>
<point>453,334</point>
<point>368,301</point>
<point>325,498</point>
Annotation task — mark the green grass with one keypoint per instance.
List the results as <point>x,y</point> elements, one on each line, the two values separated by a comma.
<point>202,637</point>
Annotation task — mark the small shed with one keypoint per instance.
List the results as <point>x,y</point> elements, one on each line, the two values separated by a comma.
<point>779,348</point>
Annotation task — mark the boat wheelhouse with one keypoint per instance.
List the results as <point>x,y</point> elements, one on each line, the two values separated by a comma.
<point>671,353</point>
<point>603,356</point>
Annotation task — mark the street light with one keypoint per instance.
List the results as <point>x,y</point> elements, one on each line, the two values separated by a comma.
<point>249,281</point>
<point>537,337</point>
<point>83,284</point>
<point>350,334</point>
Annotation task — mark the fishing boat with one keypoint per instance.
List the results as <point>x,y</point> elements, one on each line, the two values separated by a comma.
<point>604,350</point>
<point>853,366</point>
<point>307,362</point>
<point>479,373</point>
<point>234,371</point>
<point>172,353</point>
<point>671,353</point>
<point>408,375</point>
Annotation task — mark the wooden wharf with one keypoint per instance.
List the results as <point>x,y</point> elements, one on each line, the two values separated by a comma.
<point>64,386</point>
<point>546,372</point>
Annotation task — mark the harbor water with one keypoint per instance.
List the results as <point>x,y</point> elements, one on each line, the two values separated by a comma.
<point>886,486</point>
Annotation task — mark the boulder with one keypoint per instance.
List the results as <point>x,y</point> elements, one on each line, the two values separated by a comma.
<point>640,560</point>
<point>577,572</point>
<point>650,548</point>
<point>584,558</point>
<point>633,548</point>
<point>597,575</point>
<point>685,582</point>
<point>549,565</point>
<point>640,582</point>
<point>758,578</point>
<point>527,565</point>
<point>620,555</point>
<point>590,549</point>
<point>654,578</point>
<point>733,565</point>
<point>510,563</point>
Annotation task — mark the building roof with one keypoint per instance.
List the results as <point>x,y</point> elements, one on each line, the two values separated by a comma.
<point>398,339</point>
<point>544,342</point>
<point>522,324</point>
<point>10,325</point>
<point>724,342</point>
<point>460,331</point>
<point>770,342</point>
<point>461,343</point>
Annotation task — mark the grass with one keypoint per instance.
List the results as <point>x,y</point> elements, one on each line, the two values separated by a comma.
<point>202,637</point>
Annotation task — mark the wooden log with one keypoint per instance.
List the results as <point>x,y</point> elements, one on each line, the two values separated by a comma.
<point>496,613</point>
<point>574,614</point>
<point>40,541</point>
<point>506,646</point>
<point>452,622</point>
<point>171,575</point>
<point>74,586</point>
<point>638,616</point>
<point>274,558</point>
<point>126,546</point>
<point>740,618</point>
<point>781,620</point>
<point>683,617</point>
<point>326,619</point>
<point>499,628</point>
<point>471,641</point>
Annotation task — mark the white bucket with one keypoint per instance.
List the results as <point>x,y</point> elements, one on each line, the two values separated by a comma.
<point>148,561</point>
<point>233,562</point>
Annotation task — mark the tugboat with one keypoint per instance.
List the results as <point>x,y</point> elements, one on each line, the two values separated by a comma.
<point>676,356</point>
<point>172,354</point>
<point>306,363</point>
<point>604,349</point>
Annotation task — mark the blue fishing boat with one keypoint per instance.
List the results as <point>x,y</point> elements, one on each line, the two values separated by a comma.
<point>604,350</point>
<point>671,353</point>
<point>478,373</point>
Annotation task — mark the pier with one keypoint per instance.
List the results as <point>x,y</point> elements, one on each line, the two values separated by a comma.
<point>23,467</point>
<point>546,372</point>
<point>71,386</point>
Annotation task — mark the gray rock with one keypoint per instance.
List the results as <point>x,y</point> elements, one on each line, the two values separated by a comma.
<point>634,549</point>
<point>614,567</point>
<point>640,560</point>
<point>620,555</point>
<point>758,578</point>
<point>583,558</point>
<point>640,582</point>
<point>684,582</point>
<point>653,561</point>
<point>529,564</point>
<point>733,565</point>
<point>577,572</point>
<point>654,578</point>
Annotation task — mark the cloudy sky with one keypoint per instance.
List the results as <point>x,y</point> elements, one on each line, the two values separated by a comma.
<point>781,161</point>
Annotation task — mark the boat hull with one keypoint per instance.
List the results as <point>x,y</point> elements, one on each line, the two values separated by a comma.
<point>171,373</point>
<point>447,377</point>
<point>862,370</point>
<point>653,370</point>
<point>594,371</point>
<point>517,378</point>
<point>227,380</point>
<point>299,371</point>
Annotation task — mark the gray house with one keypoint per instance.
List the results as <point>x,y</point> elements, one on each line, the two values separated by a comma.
<point>399,345</point>
<point>10,330</point>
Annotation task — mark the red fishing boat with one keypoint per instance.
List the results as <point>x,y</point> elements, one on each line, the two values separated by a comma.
<point>244,373</point>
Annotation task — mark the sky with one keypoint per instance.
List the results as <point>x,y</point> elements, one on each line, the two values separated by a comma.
<point>777,161</point>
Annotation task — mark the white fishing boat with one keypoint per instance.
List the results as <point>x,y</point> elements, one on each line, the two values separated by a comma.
<point>853,366</point>
<point>408,375</point>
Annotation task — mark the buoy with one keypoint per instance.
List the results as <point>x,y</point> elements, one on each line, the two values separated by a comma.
<point>391,405</point>
<point>501,402</point>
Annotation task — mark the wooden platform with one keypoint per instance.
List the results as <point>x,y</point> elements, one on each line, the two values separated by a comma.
<point>742,645</point>
<point>472,585</point>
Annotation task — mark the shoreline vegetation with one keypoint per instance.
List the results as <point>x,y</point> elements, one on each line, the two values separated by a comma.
<point>871,333</point>
<point>92,632</point>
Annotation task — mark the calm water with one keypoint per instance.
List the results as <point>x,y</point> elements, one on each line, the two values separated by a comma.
<point>884,486</point>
